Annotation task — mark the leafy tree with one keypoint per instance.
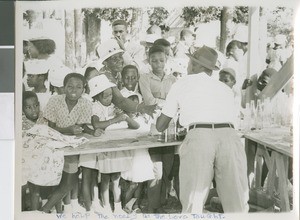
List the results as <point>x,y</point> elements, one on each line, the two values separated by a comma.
<point>157,16</point>
<point>240,14</point>
<point>194,15</point>
<point>110,14</point>
<point>280,21</point>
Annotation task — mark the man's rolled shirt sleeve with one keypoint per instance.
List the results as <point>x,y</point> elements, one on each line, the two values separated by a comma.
<point>171,104</point>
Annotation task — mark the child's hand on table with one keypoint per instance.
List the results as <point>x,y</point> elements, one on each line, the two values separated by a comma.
<point>98,132</point>
<point>121,117</point>
<point>76,129</point>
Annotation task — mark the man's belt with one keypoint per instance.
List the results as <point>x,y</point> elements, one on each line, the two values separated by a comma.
<point>211,126</point>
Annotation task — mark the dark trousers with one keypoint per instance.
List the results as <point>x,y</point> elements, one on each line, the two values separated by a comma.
<point>162,159</point>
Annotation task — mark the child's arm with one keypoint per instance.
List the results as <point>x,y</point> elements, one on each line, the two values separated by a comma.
<point>104,124</point>
<point>132,124</point>
<point>71,130</point>
<point>130,106</point>
<point>97,132</point>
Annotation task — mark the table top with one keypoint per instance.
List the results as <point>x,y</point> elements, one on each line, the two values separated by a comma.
<point>278,139</point>
<point>117,140</point>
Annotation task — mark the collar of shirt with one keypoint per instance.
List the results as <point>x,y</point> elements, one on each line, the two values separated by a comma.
<point>155,77</point>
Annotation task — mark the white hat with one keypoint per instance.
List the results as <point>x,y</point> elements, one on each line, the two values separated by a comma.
<point>241,34</point>
<point>96,64</point>
<point>127,93</point>
<point>280,39</point>
<point>108,49</point>
<point>56,76</point>
<point>36,66</point>
<point>98,84</point>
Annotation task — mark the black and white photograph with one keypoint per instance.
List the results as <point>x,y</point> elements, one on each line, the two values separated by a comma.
<point>155,110</point>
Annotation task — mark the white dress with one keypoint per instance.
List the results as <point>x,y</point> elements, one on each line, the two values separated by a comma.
<point>142,166</point>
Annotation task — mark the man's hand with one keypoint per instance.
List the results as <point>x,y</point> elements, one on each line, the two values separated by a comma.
<point>148,109</point>
<point>98,132</point>
<point>120,42</point>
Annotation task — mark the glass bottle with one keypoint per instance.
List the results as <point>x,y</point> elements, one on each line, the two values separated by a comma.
<point>259,116</point>
<point>247,118</point>
<point>252,115</point>
<point>171,131</point>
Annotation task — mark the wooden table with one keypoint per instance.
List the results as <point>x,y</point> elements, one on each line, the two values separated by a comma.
<point>117,140</point>
<point>274,147</point>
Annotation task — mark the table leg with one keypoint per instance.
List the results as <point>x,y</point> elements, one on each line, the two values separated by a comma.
<point>250,148</point>
<point>282,166</point>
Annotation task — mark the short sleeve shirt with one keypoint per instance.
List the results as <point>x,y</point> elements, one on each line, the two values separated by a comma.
<point>103,112</point>
<point>153,89</point>
<point>57,111</point>
<point>200,99</point>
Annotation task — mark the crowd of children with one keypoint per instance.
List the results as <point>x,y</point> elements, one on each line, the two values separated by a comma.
<point>112,92</point>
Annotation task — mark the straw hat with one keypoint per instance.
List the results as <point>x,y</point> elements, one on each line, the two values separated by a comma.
<point>36,66</point>
<point>108,49</point>
<point>56,76</point>
<point>228,70</point>
<point>206,57</point>
<point>98,84</point>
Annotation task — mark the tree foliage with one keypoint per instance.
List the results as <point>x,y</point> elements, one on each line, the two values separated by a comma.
<point>240,14</point>
<point>280,21</point>
<point>111,14</point>
<point>157,16</point>
<point>194,15</point>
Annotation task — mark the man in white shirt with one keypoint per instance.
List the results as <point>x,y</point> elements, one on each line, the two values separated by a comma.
<point>212,148</point>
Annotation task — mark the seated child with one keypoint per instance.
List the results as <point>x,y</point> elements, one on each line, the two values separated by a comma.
<point>37,73</point>
<point>69,114</point>
<point>110,163</point>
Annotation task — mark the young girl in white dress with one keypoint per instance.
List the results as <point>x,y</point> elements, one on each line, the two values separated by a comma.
<point>110,164</point>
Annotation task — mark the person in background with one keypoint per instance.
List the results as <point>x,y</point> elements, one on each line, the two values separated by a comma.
<point>211,148</point>
<point>167,46</point>
<point>37,74</point>
<point>277,55</point>
<point>154,87</point>
<point>110,164</point>
<point>185,44</point>
<point>148,42</point>
<point>69,114</point>
<point>133,51</point>
<point>154,29</point>
<point>227,76</point>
